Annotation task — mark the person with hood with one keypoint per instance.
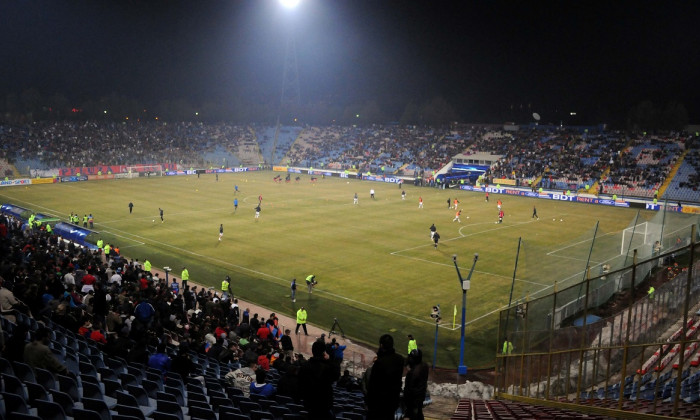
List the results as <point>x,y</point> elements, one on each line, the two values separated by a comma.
<point>384,387</point>
<point>416,385</point>
<point>316,378</point>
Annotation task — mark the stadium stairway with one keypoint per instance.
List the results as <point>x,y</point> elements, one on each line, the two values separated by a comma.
<point>404,166</point>
<point>537,181</point>
<point>6,166</point>
<point>672,173</point>
<point>299,139</point>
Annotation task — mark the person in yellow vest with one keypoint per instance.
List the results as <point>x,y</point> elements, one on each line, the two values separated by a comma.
<point>507,347</point>
<point>412,344</point>
<point>107,250</point>
<point>311,282</point>
<point>225,287</point>
<point>147,266</point>
<point>85,220</point>
<point>650,292</point>
<point>301,320</point>
<point>185,275</point>
<point>49,229</point>
<point>100,243</point>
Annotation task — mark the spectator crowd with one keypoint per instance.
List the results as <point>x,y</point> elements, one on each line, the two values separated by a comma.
<point>562,158</point>
<point>124,309</point>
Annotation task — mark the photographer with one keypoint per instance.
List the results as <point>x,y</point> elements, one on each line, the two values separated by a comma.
<point>311,282</point>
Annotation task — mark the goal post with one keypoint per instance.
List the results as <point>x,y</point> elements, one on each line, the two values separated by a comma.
<point>144,170</point>
<point>634,237</point>
<point>642,237</point>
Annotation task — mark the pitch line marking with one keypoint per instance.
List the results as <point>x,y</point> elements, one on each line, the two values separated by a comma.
<point>157,216</point>
<point>226,263</point>
<point>461,236</point>
<point>398,253</point>
<point>476,271</point>
<point>578,243</point>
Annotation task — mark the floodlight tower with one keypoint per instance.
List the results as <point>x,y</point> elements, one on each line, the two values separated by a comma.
<point>290,75</point>
<point>289,96</point>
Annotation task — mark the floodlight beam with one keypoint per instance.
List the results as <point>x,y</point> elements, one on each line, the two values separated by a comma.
<point>289,4</point>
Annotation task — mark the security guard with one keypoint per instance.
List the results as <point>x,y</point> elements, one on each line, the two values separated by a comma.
<point>412,344</point>
<point>225,287</point>
<point>147,266</point>
<point>185,275</point>
<point>301,320</point>
<point>507,347</point>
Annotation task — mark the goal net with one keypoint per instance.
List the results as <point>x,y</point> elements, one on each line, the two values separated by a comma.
<point>144,170</point>
<point>641,237</point>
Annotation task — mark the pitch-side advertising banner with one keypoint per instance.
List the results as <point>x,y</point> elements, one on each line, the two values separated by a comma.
<point>548,196</point>
<point>13,182</point>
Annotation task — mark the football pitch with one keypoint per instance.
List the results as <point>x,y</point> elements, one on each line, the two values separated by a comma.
<point>377,268</point>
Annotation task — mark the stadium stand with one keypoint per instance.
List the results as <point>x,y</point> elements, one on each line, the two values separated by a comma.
<point>623,164</point>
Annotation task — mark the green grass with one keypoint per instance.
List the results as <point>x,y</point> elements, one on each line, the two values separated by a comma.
<point>375,264</point>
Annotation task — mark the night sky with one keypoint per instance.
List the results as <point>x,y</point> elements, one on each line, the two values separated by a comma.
<point>483,57</point>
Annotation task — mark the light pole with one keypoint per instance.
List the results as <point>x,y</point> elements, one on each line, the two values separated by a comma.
<point>465,284</point>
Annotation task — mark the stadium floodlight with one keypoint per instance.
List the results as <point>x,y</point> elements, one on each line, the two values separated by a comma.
<point>290,4</point>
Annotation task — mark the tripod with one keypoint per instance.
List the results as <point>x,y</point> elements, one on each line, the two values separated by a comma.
<point>332,330</point>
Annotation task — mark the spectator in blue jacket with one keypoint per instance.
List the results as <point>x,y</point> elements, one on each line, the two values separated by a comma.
<point>260,387</point>
<point>160,360</point>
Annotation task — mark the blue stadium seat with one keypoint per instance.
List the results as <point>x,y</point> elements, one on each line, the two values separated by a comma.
<point>202,413</point>
<point>23,372</point>
<point>232,416</point>
<point>261,415</point>
<point>12,385</point>
<point>6,366</point>
<point>36,392</point>
<point>82,414</point>
<point>133,412</point>
<point>64,400</point>
<point>177,392</point>
<point>170,408</point>
<point>99,406</point>
<point>140,394</point>
<point>49,410</point>
<point>124,398</point>
<point>15,403</point>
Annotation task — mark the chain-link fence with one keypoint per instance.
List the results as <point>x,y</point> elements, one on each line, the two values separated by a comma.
<point>627,334</point>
